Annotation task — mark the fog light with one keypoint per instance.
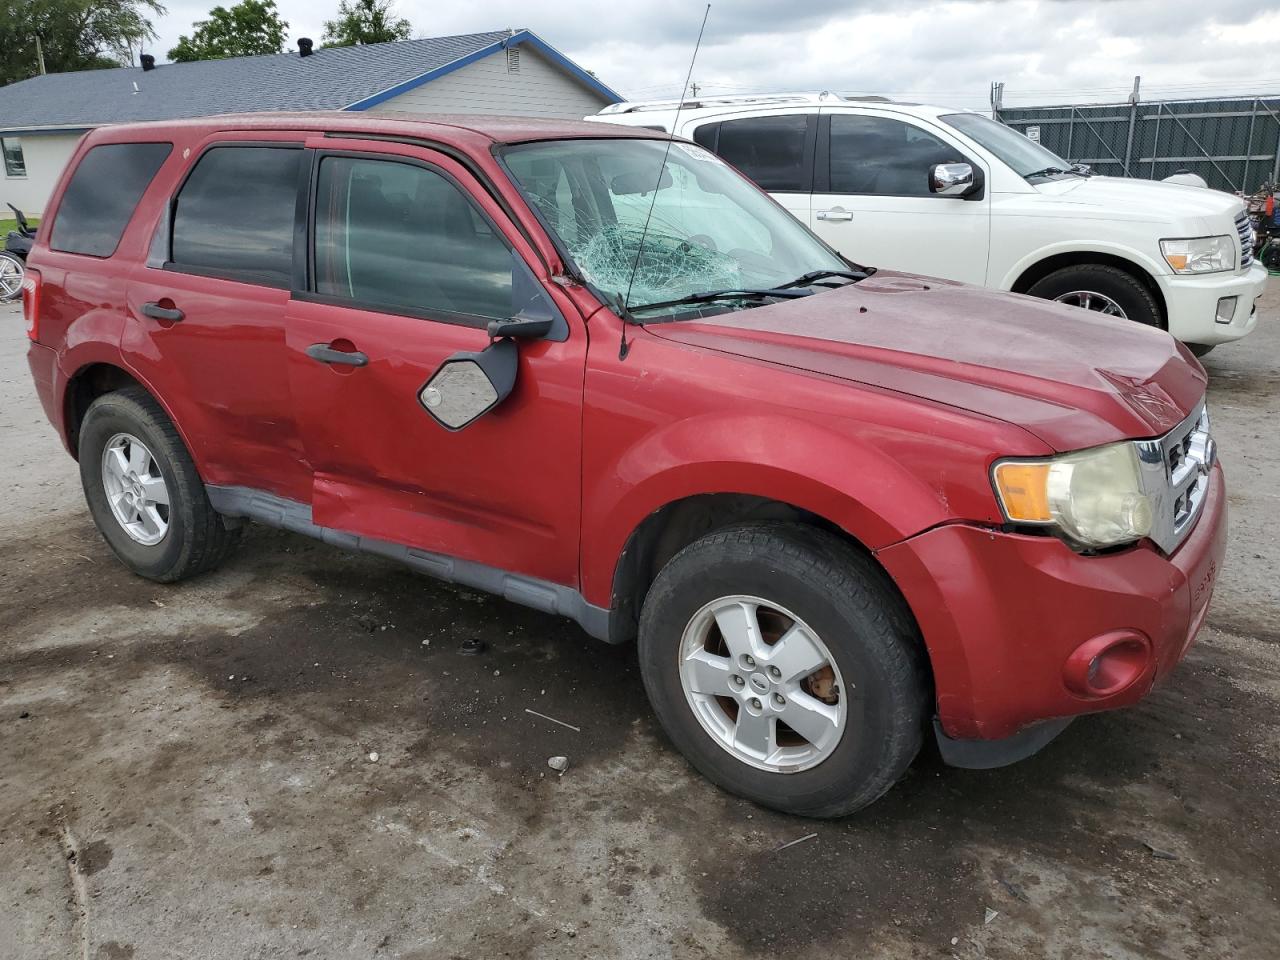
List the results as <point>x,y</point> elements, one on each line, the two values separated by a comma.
<point>1107,665</point>
<point>1226,309</point>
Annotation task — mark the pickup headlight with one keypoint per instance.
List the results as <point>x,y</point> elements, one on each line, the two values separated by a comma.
<point>1094,497</point>
<point>1199,254</point>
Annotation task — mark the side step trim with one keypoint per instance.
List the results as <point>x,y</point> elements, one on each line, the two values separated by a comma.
<point>267,508</point>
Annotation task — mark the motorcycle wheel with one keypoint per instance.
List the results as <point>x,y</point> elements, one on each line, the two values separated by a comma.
<point>12,270</point>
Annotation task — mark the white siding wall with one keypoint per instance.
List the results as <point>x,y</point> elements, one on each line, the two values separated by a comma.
<point>538,89</point>
<point>45,156</point>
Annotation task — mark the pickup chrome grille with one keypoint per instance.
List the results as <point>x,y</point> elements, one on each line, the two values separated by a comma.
<point>1175,473</point>
<point>1245,229</point>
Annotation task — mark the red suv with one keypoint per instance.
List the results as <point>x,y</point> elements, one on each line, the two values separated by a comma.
<point>603,375</point>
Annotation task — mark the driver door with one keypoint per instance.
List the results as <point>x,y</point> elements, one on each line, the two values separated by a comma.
<point>408,261</point>
<point>872,200</point>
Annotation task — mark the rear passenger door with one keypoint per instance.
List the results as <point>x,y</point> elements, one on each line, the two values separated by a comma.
<point>409,259</point>
<point>872,200</point>
<point>776,150</point>
<point>207,311</point>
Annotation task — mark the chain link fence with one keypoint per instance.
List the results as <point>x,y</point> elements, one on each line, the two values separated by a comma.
<point>1233,143</point>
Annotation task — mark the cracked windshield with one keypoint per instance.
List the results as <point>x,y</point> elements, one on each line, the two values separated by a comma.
<point>711,232</point>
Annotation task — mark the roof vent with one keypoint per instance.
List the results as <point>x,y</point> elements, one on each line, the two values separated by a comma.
<point>513,59</point>
<point>148,62</point>
<point>304,46</point>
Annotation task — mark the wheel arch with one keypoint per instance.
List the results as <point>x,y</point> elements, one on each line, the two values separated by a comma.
<point>675,525</point>
<point>91,381</point>
<point>1032,274</point>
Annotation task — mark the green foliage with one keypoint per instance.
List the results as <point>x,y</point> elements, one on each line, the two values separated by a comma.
<point>74,34</point>
<point>365,21</point>
<point>250,27</point>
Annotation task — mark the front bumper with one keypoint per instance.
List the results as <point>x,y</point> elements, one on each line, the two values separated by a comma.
<point>1005,617</point>
<point>1192,303</point>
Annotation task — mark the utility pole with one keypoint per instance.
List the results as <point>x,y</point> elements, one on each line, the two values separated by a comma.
<point>1133,123</point>
<point>40,55</point>
<point>693,88</point>
<point>997,100</point>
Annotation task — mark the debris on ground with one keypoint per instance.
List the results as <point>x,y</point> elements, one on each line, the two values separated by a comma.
<point>558,764</point>
<point>1159,854</point>
<point>553,720</point>
<point>373,756</point>
<point>792,843</point>
<point>472,647</point>
<point>989,916</point>
<point>1014,890</point>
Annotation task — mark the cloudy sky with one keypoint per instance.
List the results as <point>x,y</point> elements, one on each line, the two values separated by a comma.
<point>937,50</point>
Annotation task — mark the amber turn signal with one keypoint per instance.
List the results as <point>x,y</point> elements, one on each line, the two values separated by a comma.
<point>1024,491</point>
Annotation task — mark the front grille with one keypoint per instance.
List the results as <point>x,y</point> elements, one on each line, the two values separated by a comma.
<point>1245,229</point>
<point>1175,473</point>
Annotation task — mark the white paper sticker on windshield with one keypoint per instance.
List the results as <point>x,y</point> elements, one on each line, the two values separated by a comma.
<point>694,152</point>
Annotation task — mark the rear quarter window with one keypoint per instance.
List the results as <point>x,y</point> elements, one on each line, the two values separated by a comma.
<point>102,195</point>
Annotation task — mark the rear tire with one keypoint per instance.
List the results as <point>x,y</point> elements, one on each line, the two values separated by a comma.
<point>1101,285</point>
<point>812,588</point>
<point>161,525</point>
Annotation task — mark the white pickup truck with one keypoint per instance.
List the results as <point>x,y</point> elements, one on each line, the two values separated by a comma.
<point>953,194</point>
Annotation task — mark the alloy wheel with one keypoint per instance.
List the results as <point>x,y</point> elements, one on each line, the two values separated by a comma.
<point>762,684</point>
<point>11,271</point>
<point>135,489</point>
<point>1092,300</point>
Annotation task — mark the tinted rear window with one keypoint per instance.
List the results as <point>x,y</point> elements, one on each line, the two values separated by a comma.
<point>234,216</point>
<point>102,194</point>
<point>769,150</point>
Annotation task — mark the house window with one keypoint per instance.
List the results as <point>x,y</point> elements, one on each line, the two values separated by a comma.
<point>14,164</point>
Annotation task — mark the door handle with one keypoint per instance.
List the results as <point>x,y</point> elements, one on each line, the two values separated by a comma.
<point>157,312</point>
<point>836,214</point>
<point>323,353</point>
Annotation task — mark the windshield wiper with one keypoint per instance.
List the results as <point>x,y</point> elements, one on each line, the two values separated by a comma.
<point>712,295</point>
<point>812,275</point>
<point>1047,171</point>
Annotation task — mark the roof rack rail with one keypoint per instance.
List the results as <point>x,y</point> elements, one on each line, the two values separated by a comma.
<point>636,106</point>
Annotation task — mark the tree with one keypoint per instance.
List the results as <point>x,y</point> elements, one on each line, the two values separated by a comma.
<point>250,27</point>
<point>365,21</point>
<point>72,34</point>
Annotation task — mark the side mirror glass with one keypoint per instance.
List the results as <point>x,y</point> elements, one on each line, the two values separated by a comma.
<point>469,385</point>
<point>951,179</point>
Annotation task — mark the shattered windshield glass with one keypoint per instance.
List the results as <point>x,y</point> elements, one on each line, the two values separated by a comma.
<point>710,229</point>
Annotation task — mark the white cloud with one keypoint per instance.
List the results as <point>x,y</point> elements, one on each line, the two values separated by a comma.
<point>945,51</point>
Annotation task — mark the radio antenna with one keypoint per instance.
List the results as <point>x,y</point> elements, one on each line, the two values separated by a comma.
<point>623,347</point>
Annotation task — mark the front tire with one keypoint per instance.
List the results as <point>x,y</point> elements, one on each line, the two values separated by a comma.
<point>143,490</point>
<point>1101,289</point>
<point>785,668</point>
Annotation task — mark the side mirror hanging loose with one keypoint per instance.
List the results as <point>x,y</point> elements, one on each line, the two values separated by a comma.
<point>470,384</point>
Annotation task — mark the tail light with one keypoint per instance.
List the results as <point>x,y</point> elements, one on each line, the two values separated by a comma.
<point>31,302</point>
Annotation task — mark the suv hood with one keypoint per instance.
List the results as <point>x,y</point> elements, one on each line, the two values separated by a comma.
<point>1164,202</point>
<point>1072,378</point>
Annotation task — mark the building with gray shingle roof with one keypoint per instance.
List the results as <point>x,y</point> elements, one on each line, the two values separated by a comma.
<point>500,72</point>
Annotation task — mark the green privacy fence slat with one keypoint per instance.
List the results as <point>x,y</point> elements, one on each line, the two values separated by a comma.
<point>1233,143</point>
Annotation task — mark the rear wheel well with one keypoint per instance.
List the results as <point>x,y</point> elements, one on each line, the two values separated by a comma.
<point>668,530</point>
<point>86,386</point>
<point>1038,271</point>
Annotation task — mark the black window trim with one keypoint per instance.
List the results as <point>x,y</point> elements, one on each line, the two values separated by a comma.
<point>304,279</point>
<point>822,178</point>
<point>163,258</point>
<point>129,219</point>
<point>807,158</point>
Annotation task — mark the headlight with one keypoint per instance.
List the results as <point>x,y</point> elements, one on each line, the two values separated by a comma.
<point>1094,497</point>
<point>1199,254</point>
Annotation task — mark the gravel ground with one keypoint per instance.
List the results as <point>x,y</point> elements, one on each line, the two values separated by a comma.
<point>188,771</point>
